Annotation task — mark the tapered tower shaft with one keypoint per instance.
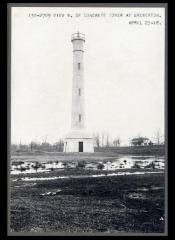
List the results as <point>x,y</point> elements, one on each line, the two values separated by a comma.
<point>78,139</point>
<point>78,111</point>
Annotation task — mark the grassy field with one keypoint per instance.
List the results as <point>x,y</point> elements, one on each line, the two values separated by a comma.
<point>158,150</point>
<point>133,203</point>
<point>52,156</point>
<point>138,150</point>
<point>58,156</point>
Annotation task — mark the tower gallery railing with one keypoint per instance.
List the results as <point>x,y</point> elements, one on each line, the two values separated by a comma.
<point>78,36</point>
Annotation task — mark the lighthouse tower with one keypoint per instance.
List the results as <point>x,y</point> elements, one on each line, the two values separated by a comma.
<point>78,139</point>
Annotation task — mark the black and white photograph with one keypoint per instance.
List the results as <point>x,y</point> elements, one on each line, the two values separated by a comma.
<point>88,138</point>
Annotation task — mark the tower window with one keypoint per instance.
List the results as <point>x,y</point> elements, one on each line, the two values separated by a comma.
<point>78,66</point>
<point>79,117</point>
<point>79,91</point>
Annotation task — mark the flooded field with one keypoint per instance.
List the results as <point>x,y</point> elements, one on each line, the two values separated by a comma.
<point>124,162</point>
<point>96,194</point>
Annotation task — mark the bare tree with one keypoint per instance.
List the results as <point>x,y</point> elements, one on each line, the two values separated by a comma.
<point>59,145</point>
<point>102,139</point>
<point>158,136</point>
<point>107,140</point>
<point>44,139</point>
<point>97,139</point>
<point>116,142</point>
<point>46,146</point>
<point>33,145</point>
<point>14,147</point>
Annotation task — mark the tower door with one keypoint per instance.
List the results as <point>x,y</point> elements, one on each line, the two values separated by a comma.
<point>80,146</point>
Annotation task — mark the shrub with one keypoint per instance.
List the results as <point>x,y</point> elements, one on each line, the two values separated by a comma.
<point>136,165</point>
<point>151,165</point>
<point>37,165</point>
<point>81,164</point>
<point>22,169</point>
<point>65,164</point>
<point>100,166</point>
<point>43,166</point>
<point>15,163</point>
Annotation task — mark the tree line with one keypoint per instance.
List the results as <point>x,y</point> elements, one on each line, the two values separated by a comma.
<point>100,140</point>
<point>36,146</point>
<point>104,140</point>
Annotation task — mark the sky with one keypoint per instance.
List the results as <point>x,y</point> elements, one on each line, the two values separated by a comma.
<point>123,70</point>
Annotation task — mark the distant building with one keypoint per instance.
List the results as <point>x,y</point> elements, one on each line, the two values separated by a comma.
<point>140,141</point>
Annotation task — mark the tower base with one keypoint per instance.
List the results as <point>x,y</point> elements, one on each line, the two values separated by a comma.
<point>78,141</point>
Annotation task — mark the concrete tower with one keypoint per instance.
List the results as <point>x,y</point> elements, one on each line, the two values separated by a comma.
<point>78,114</point>
<point>78,139</point>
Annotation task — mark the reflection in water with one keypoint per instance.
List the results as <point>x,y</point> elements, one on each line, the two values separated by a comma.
<point>124,162</point>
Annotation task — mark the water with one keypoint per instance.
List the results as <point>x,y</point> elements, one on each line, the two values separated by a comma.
<point>86,176</point>
<point>124,162</point>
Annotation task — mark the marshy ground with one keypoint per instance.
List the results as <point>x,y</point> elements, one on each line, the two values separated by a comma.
<point>77,198</point>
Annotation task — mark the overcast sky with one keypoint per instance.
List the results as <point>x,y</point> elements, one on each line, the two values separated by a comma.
<point>124,73</point>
